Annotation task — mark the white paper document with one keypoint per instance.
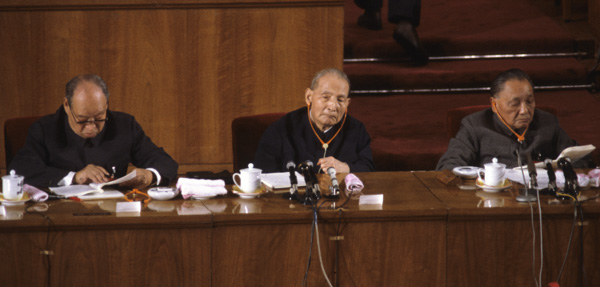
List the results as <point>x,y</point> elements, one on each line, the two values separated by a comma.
<point>93,190</point>
<point>574,153</point>
<point>280,180</point>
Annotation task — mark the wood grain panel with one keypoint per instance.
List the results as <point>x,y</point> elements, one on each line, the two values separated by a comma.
<point>159,257</point>
<point>185,74</point>
<point>20,251</point>
<point>490,245</point>
<point>376,253</point>
<point>20,5</point>
<point>244,255</point>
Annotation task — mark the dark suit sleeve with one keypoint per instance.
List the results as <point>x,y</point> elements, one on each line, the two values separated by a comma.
<point>31,160</point>
<point>364,161</point>
<point>145,154</point>
<point>462,149</point>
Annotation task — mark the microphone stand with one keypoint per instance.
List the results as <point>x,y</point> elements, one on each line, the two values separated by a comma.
<point>527,197</point>
<point>334,188</point>
<point>571,183</point>
<point>293,194</point>
<point>310,192</point>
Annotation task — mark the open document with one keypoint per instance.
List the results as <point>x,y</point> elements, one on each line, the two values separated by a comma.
<point>93,190</point>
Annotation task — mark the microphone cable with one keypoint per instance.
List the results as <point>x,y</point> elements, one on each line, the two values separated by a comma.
<point>319,248</point>
<point>582,274</point>
<point>569,244</point>
<point>312,233</point>
<point>537,282</point>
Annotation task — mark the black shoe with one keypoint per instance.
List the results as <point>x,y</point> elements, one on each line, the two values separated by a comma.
<point>406,35</point>
<point>370,20</point>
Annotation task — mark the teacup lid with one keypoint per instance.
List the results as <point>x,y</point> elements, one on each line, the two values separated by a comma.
<point>11,174</point>
<point>251,169</point>
<point>495,163</point>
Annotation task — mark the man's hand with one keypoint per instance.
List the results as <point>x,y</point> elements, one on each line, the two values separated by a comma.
<point>91,173</point>
<point>330,161</point>
<point>143,178</point>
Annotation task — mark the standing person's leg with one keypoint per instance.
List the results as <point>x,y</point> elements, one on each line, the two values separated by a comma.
<point>407,14</point>
<point>371,19</point>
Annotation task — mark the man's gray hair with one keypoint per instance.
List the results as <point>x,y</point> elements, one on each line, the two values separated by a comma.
<point>502,78</point>
<point>73,83</point>
<point>315,81</point>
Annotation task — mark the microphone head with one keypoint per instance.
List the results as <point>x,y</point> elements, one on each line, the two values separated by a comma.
<point>290,164</point>
<point>331,171</point>
<point>563,161</point>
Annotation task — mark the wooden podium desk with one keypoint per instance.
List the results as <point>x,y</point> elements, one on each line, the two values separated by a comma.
<point>229,241</point>
<point>490,237</point>
<point>93,245</point>
<point>424,234</point>
<point>400,243</point>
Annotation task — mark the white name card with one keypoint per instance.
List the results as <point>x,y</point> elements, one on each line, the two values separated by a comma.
<point>135,206</point>
<point>370,199</point>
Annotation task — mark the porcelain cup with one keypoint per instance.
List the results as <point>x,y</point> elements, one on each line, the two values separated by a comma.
<point>249,179</point>
<point>12,186</point>
<point>493,174</point>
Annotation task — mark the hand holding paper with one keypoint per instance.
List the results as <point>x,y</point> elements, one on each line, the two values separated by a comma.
<point>93,190</point>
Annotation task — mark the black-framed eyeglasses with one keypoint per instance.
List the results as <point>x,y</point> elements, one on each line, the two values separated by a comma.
<point>86,122</point>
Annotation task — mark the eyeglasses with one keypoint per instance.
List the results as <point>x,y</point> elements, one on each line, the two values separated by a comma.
<point>133,196</point>
<point>86,122</point>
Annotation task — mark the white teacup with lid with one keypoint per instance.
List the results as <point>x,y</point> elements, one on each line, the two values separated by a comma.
<point>12,186</point>
<point>493,174</point>
<point>249,178</point>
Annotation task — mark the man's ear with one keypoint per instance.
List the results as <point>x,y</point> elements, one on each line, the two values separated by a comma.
<point>308,96</point>
<point>493,103</point>
<point>65,104</point>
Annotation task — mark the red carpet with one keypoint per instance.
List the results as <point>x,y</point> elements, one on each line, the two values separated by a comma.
<point>461,27</point>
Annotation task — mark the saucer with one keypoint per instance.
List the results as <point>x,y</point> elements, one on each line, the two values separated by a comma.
<point>14,202</point>
<point>202,197</point>
<point>466,171</point>
<point>259,191</point>
<point>488,188</point>
<point>162,193</point>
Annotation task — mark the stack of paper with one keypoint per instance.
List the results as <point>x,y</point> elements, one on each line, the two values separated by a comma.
<point>93,190</point>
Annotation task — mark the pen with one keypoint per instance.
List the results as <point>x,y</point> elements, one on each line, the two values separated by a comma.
<point>56,197</point>
<point>114,170</point>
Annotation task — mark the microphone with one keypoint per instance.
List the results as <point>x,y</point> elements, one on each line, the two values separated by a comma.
<point>571,182</point>
<point>551,176</point>
<point>312,183</point>
<point>314,180</point>
<point>291,166</point>
<point>335,187</point>
<point>532,172</point>
<point>525,197</point>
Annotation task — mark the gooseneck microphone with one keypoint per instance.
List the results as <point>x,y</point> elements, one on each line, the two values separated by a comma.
<point>571,182</point>
<point>291,166</point>
<point>335,186</point>
<point>314,180</point>
<point>551,176</point>
<point>525,197</point>
<point>312,183</point>
<point>532,172</point>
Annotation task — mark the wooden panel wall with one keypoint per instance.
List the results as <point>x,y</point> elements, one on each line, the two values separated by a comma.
<point>184,70</point>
